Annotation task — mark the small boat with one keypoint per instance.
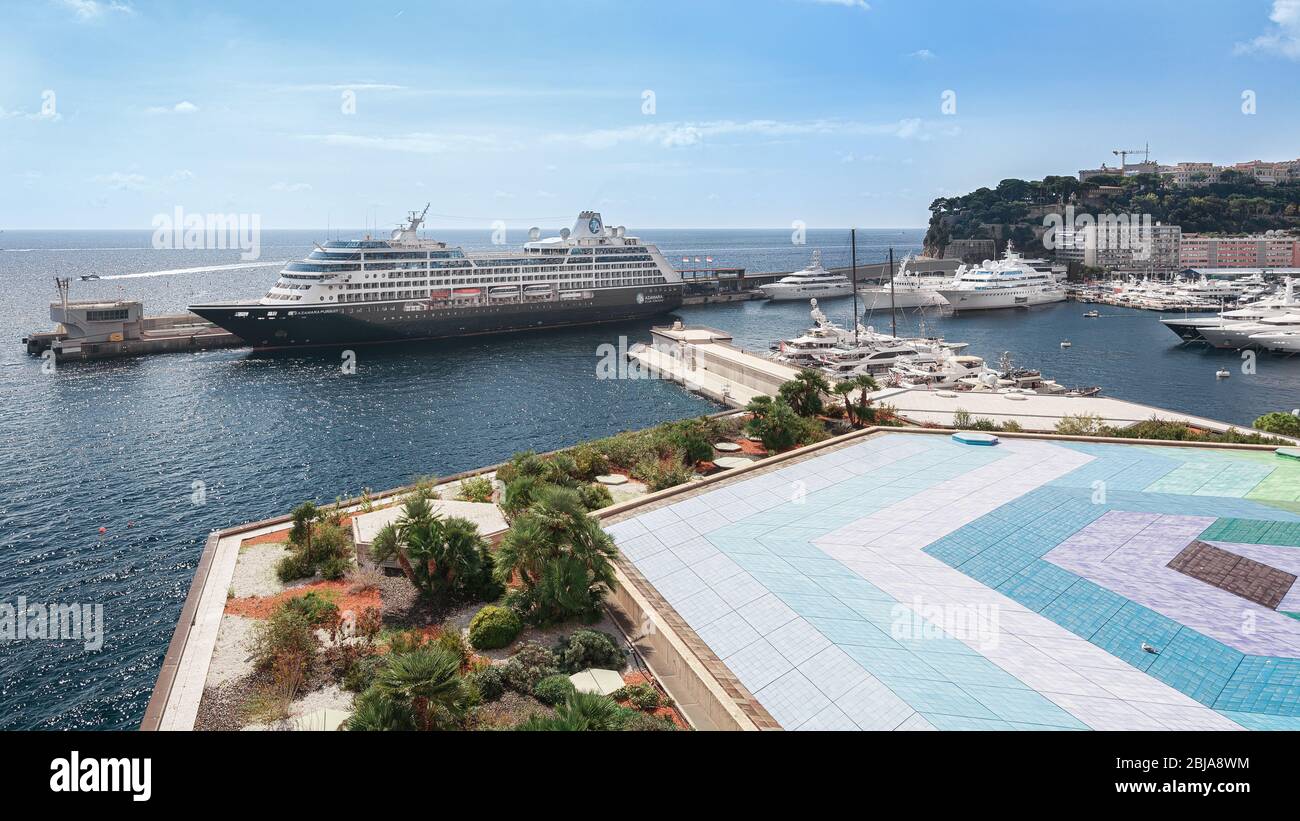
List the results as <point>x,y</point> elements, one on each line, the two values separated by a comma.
<point>1222,373</point>
<point>1065,344</point>
<point>443,294</point>
<point>462,293</point>
<point>1092,315</point>
<point>503,293</point>
<point>537,290</point>
<point>89,277</point>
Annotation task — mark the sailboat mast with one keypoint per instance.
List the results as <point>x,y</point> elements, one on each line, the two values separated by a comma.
<point>893,314</point>
<point>853,246</point>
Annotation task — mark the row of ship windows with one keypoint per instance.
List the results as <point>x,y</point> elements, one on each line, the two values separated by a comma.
<point>514,264</point>
<point>370,292</point>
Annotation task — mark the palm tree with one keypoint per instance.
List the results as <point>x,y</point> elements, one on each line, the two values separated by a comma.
<point>844,390</point>
<point>556,549</point>
<point>867,385</point>
<point>580,712</point>
<point>804,392</point>
<point>304,516</point>
<point>373,712</point>
<point>428,680</point>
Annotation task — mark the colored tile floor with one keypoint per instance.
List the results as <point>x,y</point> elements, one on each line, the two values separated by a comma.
<point>910,582</point>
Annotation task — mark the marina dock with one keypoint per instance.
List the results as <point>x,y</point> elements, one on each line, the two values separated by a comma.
<point>112,329</point>
<point>705,361</point>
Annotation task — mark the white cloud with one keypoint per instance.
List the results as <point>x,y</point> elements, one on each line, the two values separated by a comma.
<point>848,4</point>
<point>414,143</point>
<point>181,175</point>
<point>678,135</point>
<point>340,87</point>
<point>120,181</point>
<point>291,187</point>
<point>88,11</point>
<point>17,114</point>
<point>183,107</point>
<point>922,54</point>
<point>1283,37</point>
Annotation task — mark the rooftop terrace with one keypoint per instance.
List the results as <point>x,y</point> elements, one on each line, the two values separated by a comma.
<point>905,581</point>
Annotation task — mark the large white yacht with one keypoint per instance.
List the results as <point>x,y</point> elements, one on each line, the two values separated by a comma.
<point>1216,330</point>
<point>909,288</point>
<point>1010,282</point>
<point>407,287</point>
<point>812,281</point>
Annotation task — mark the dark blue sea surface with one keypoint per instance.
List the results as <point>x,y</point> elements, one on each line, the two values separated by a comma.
<point>121,444</point>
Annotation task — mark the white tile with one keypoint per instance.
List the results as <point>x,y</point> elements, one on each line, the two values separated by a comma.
<point>797,640</point>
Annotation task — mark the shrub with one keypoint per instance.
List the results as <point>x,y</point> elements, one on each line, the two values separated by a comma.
<point>658,476</point>
<point>561,554</point>
<point>529,665</point>
<point>363,580</point>
<point>636,721</point>
<point>1278,422</point>
<point>775,423</point>
<point>316,609</point>
<point>286,634</point>
<point>490,682</point>
<point>589,462</point>
<point>406,641</point>
<point>360,673</point>
<point>476,489</point>
<point>335,568</point>
<point>984,423</point>
<point>1083,424</point>
<point>961,419</point>
<point>642,696</point>
<point>804,393</point>
<point>494,627</point>
<point>451,640</point>
<point>294,566</point>
<point>692,439</point>
<point>553,689</point>
<point>1011,426</point>
<point>595,497</point>
<point>590,648</point>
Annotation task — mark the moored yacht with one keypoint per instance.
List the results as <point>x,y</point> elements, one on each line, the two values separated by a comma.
<point>812,281</point>
<point>908,288</point>
<point>1202,328</point>
<point>407,288</point>
<point>1006,283</point>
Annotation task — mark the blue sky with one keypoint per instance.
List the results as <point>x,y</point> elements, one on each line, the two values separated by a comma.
<point>765,112</point>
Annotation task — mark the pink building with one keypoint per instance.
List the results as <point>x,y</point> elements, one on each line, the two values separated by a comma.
<point>1199,251</point>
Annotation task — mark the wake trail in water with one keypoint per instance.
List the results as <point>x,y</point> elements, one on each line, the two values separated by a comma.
<point>199,270</point>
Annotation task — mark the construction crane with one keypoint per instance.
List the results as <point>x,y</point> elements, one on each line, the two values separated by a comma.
<point>1123,154</point>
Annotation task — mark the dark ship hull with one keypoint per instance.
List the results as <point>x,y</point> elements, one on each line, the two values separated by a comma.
<point>286,326</point>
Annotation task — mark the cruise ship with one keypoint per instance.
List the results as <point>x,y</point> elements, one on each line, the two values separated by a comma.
<point>909,288</point>
<point>813,281</point>
<point>410,288</point>
<point>1010,282</point>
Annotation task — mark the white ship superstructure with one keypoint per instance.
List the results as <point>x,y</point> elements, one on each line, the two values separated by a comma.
<point>909,288</point>
<point>814,281</point>
<point>407,287</point>
<point>1006,283</point>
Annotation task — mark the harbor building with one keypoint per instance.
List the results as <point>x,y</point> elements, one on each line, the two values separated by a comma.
<point>1121,246</point>
<point>1269,250</point>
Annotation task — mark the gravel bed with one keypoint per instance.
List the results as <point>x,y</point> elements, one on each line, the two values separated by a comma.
<point>255,571</point>
<point>230,655</point>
